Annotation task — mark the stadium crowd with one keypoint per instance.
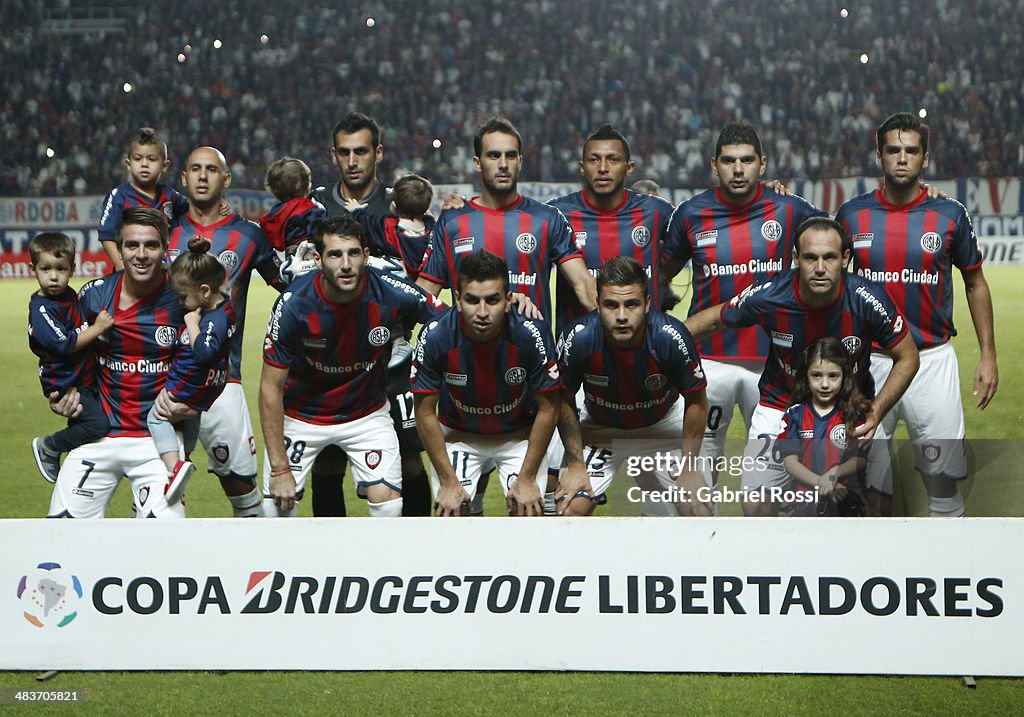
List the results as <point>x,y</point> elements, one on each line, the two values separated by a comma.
<point>668,74</point>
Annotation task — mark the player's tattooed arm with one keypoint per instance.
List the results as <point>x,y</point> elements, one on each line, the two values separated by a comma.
<point>525,307</point>
<point>979,301</point>
<point>574,478</point>
<point>905,362</point>
<point>282,482</point>
<point>583,284</point>
<point>525,495</point>
<point>690,480</point>
<point>451,496</point>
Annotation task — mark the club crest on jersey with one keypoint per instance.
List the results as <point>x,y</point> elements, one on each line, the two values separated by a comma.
<point>229,259</point>
<point>581,239</point>
<point>515,375</point>
<point>931,242</point>
<point>852,344</point>
<point>707,238</point>
<point>641,236</point>
<point>373,458</point>
<point>463,245</point>
<point>168,209</point>
<point>379,335</point>
<point>771,230</point>
<point>838,436</point>
<point>526,242</point>
<point>782,339</point>
<point>655,381</point>
<point>931,452</point>
<point>165,335</point>
<point>863,241</point>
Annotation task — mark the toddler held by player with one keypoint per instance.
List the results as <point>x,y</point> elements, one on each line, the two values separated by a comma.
<point>199,369</point>
<point>58,335</point>
<point>289,223</point>
<point>817,443</point>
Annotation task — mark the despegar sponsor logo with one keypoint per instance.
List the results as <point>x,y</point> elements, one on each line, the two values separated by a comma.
<point>276,592</point>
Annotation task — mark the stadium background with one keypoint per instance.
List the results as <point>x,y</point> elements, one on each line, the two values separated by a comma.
<point>261,82</point>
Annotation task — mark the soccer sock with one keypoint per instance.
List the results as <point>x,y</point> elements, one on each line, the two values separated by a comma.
<point>248,505</point>
<point>269,509</point>
<point>549,503</point>
<point>387,509</point>
<point>952,507</point>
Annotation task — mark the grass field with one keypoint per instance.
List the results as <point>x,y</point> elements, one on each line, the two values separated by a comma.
<point>996,458</point>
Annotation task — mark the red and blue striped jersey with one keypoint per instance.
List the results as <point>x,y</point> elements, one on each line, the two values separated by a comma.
<point>862,314</point>
<point>337,354</point>
<point>388,239</point>
<point>241,246</point>
<point>53,326</point>
<point>636,228</point>
<point>198,373</point>
<point>124,196</point>
<point>820,441</point>
<point>912,250</point>
<point>733,247</point>
<point>134,355</point>
<point>631,387</point>
<point>530,236</point>
<point>486,387</point>
<point>287,224</point>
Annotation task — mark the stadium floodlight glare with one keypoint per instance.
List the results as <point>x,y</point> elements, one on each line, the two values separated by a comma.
<point>436,143</point>
<point>50,152</point>
<point>922,113</point>
<point>127,87</point>
<point>864,59</point>
<point>844,13</point>
<point>181,57</point>
<point>370,22</point>
<point>188,47</point>
<point>264,39</point>
<point>217,44</point>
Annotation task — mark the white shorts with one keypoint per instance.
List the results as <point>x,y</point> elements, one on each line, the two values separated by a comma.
<point>370,442</point>
<point>730,383</point>
<point>933,412</point>
<point>763,464</point>
<point>90,475</point>
<point>607,449</point>
<point>225,431</point>
<point>472,455</point>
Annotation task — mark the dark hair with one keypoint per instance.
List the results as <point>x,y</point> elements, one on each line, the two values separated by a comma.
<point>607,132</point>
<point>646,186</point>
<point>55,243</point>
<point>483,266</point>
<point>143,216</point>
<point>823,223</point>
<point>738,133</point>
<point>621,271</point>
<point>197,266</point>
<point>342,225</point>
<point>146,136</point>
<point>903,122</point>
<point>496,124</point>
<point>851,402</point>
<point>412,195</point>
<point>288,178</point>
<point>354,122</point>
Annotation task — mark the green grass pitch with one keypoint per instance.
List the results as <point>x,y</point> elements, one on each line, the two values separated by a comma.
<point>995,456</point>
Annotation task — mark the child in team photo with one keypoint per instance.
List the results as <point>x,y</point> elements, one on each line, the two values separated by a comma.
<point>60,337</point>
<point>289,224</point>
<point>199,369</point>
<point>817,442</point>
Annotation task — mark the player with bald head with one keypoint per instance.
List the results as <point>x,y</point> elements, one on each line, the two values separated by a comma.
<point>241,246</point>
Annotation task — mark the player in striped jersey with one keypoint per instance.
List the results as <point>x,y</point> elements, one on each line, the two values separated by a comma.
<point>818,298</point>
<point>911,241</point>
<point>324,371</point>
<point>736,234</point>
<point>133,357</point>
<point>241,246</point>
<point>485,382</point>
<point>609,220</point>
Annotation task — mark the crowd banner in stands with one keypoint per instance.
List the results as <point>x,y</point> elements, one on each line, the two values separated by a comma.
<point>996,205</point>
<point>666,595</point>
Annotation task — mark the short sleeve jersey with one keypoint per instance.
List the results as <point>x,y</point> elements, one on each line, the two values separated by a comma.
<point>198,373</point>
<point>862,314</point>
<point>820,442</point>
<point>530,236</point>
<point>337,354</point>
<point>912,249</point>
<point>241,247</point>
<point>636,228</point>
<point>53,328</point>
<point>733,247</point>
<point>125,196</point>
<point>485,387</point>
<point>134,355</point>
<point>631,387</point>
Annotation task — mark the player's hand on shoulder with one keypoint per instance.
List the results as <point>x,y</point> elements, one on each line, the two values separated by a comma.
<point>225,209</point>
<point>69,405</point>
<point>778,187</point>
<point>453,201</point>
<point>933,192</point>
<point>525,307</point>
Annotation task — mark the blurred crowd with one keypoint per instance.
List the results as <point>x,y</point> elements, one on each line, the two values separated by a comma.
<point>814,78</point>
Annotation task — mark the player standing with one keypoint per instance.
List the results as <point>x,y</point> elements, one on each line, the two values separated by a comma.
<point>133,358</point>
<point>910,242</point>
<point>794,308</point>
<point>492,376</point>
<point>737,234</point>
<point>325,367</point>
